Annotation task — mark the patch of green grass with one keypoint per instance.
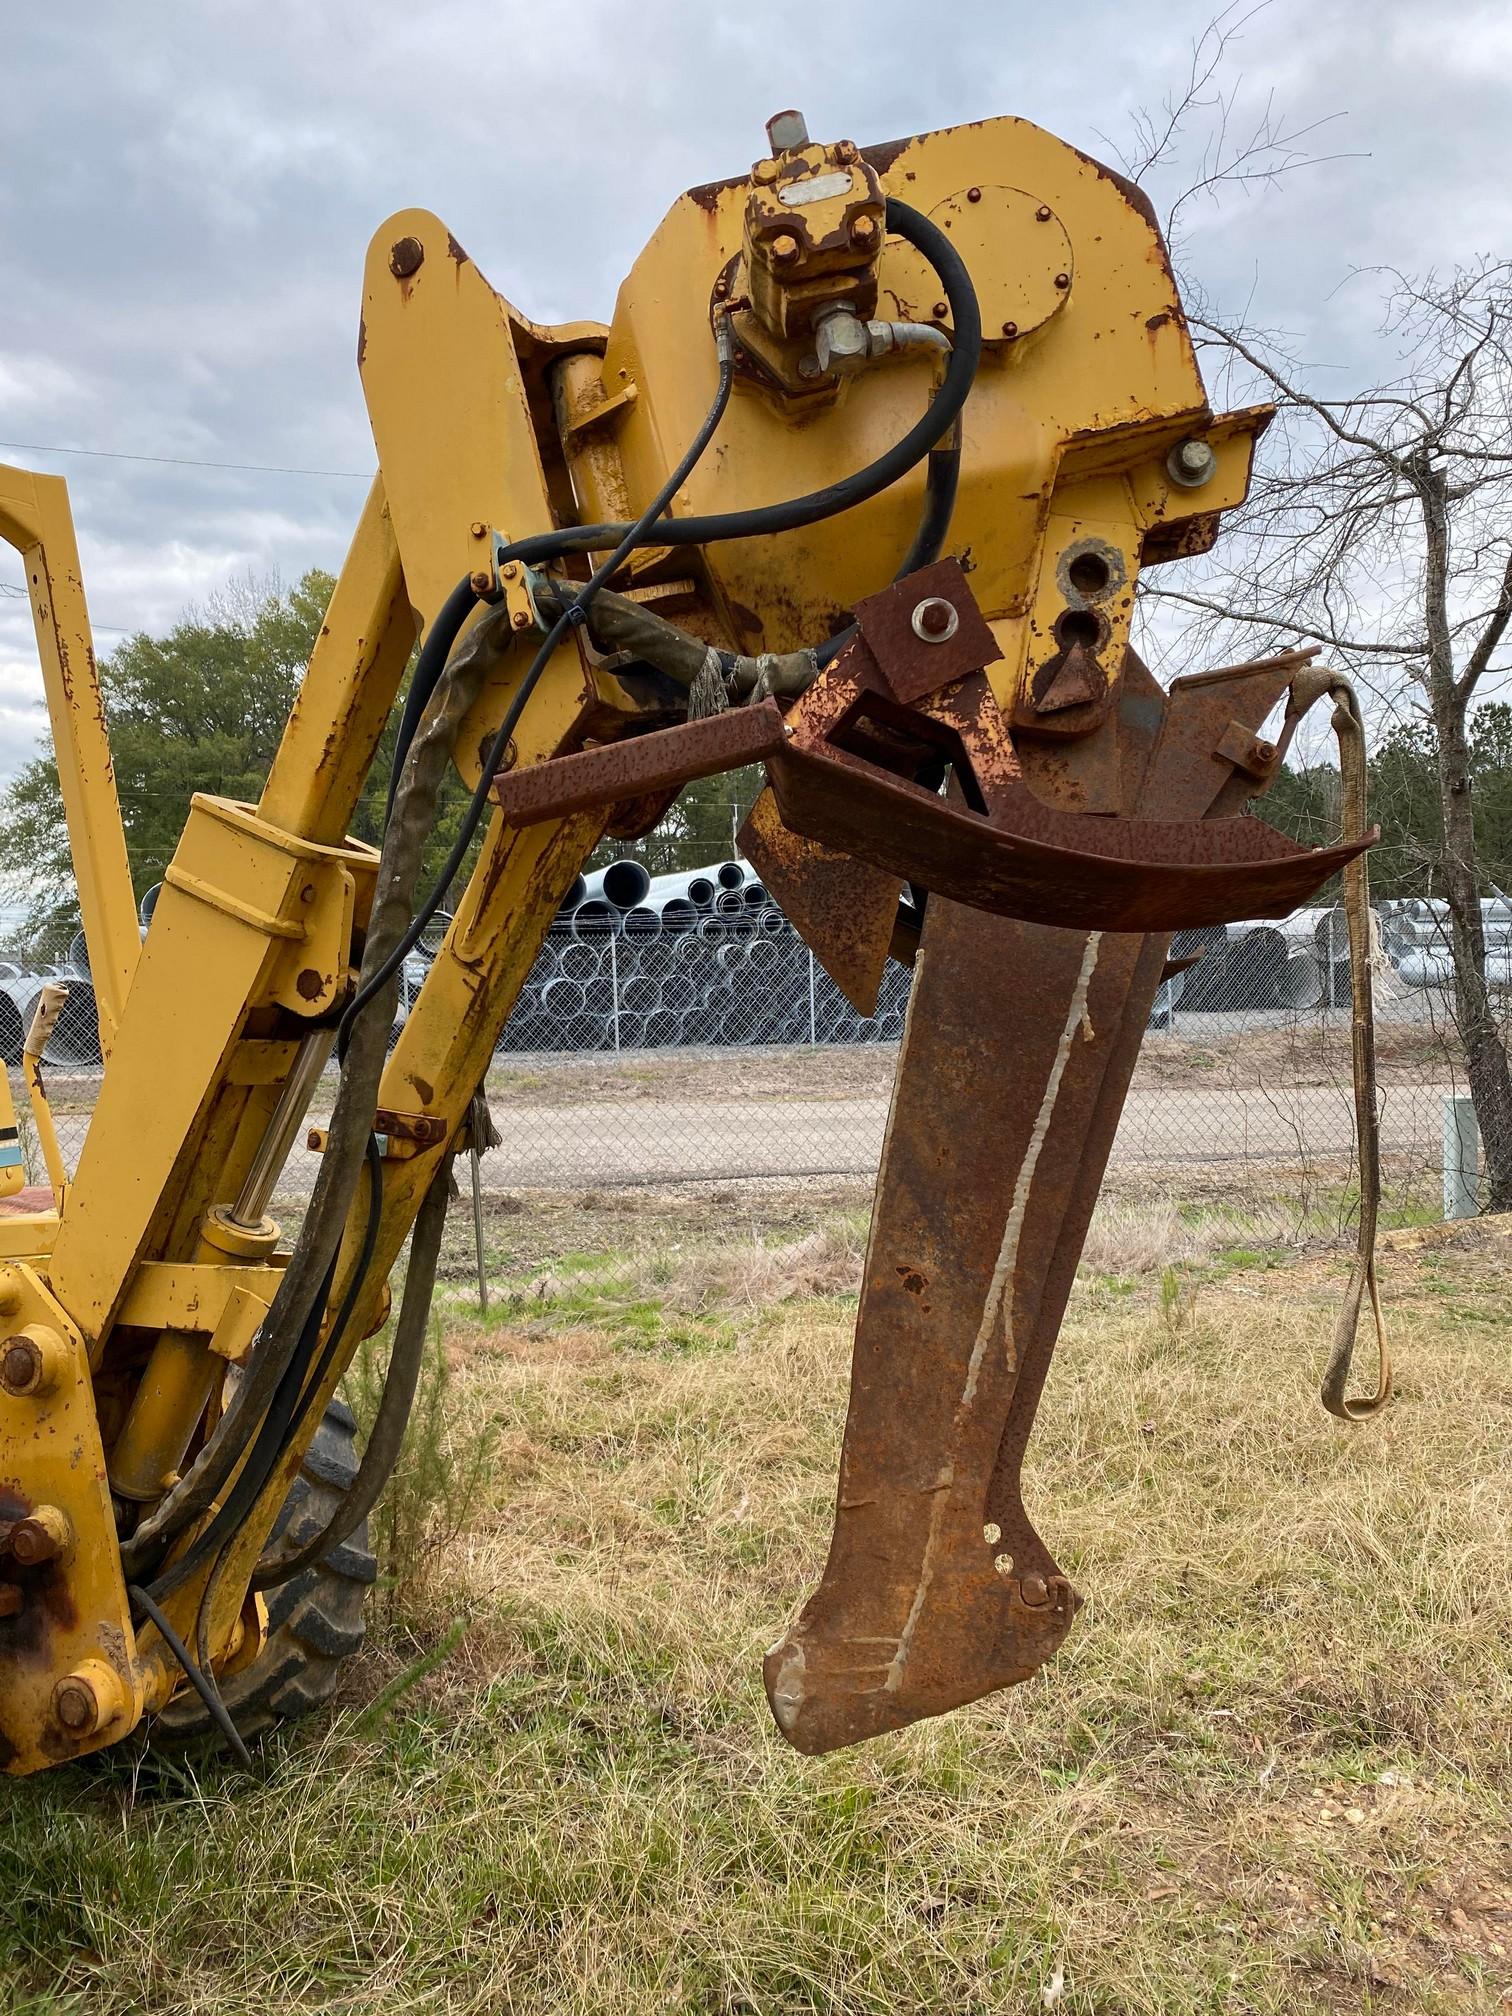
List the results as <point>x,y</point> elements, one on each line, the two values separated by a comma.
<point>1267,1774</point>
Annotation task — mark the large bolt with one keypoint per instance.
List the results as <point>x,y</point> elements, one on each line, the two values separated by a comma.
<point>973,195</point>
<point>406,256</point>
<point>784,248</point>
<point>1063,281</point>
<point>1035,1590</point>
<point>864,231</point>
<point>32,1361</point>
<point>764,172</point>
<point>42,1537</point>
<point>21,1366</point>
<point>89,1699</point>
<point>1191,464</point>
<point>75,1705</point>
<point>1042,215</point>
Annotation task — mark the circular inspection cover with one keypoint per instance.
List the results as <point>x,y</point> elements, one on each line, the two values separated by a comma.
<point>1015,249</point>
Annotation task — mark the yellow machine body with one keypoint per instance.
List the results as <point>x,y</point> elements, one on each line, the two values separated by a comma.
<point>146,1281</point>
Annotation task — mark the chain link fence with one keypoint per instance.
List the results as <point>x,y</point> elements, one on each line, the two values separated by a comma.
<point>680,1034</point>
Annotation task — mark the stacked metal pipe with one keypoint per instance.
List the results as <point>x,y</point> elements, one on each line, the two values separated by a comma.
<point>682,961</point>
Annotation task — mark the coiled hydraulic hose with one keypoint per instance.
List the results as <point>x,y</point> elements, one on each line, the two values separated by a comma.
<point>935,435</point>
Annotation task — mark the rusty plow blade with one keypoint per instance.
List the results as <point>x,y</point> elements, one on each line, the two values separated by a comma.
<point>938,1589</point>
<point>1044,942</point>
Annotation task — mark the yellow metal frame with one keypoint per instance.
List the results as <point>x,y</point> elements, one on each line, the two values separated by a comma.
<point>488,423</point>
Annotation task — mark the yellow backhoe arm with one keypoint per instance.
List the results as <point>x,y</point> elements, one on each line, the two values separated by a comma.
<point>960,360</point>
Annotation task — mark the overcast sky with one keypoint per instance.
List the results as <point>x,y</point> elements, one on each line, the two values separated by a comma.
<point>187,192</point>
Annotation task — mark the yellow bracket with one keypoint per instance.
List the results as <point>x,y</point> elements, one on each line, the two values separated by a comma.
<point>66,1641</point>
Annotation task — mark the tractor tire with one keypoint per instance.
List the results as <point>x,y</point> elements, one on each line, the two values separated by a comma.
<point>315,1621</point>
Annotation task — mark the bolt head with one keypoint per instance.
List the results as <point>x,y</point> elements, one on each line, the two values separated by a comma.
<point>40,1539</point>
<point>1191,463</point>
<point>973,195</point>
<point>1042,215</point>
<point>1035,1590</point>
<point>21,1366</point>
<point>784,248</point>
<point>478,528</point>
<point>721,288</point>
<point>941,310</point>
<point>482,583</point>
<point>764,172</point>
<point>785,131</point>
<point>864,231</point>
<point>406,256</point>
<point>1265,752</point>
<point>1010,329</point>
<point>75,1706</point>
<point>1063,281</point>
<point>520,619</point>
<point>935,619</point>
<point>846,151</point>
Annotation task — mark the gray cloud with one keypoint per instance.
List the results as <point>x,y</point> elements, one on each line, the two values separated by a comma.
<point>188,191</point>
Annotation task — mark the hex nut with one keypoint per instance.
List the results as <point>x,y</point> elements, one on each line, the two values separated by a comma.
<point>934,620</point>
<point>784,248</point>
<point>1035,1590</point>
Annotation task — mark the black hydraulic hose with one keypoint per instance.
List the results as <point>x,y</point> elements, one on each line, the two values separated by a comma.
<point>201,1682</point>
<point>429,666</point>
<point>940,486</point>
<point>925,437</point>
<point>762,520</point>
<point>576,611</point>
<point>292,1399</point>
<point>290,1403</point>
<point>386,1436</point>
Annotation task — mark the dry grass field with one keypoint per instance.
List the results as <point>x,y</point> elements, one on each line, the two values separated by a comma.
<point>1268,1773</point>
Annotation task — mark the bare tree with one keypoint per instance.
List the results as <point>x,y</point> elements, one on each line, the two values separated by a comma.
<point>1379,525</point>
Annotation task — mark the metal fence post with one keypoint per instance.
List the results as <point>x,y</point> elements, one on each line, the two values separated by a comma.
<point>813,1031</point>
<point>614,990</point>
<point>1461,1156</point>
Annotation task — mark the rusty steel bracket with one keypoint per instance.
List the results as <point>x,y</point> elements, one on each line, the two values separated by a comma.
<point>846,777</point>
<point>641,765</point>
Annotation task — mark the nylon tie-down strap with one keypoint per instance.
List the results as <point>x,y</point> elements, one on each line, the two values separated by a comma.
<point>1349,728</point>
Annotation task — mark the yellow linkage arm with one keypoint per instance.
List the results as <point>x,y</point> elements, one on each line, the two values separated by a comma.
<point>36,520</point>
